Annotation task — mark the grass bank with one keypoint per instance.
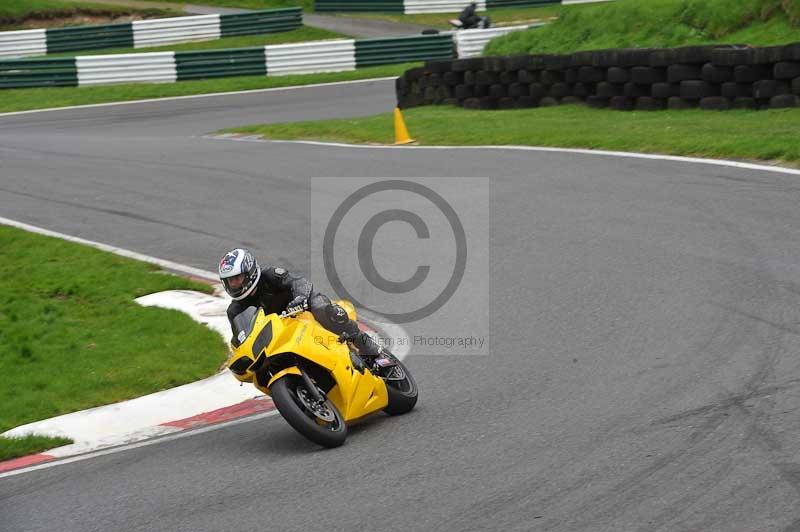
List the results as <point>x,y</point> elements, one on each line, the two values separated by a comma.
<point>14,14</point>
<point>762,135</point>
<point>71,336</point>
<point>659,23</point>
<point>46,98</point>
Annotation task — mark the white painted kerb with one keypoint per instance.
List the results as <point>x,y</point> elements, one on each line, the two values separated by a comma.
<point>114,424</point>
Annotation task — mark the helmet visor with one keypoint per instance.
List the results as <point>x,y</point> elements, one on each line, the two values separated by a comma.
<point>236,281</point>
<point>236,285</point>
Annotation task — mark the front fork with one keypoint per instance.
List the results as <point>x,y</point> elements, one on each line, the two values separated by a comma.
<point>312,388</point>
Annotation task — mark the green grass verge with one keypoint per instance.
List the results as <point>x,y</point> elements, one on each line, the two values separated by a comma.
<point>763,135</point>
<point>45,98</point>
<point>659,23</point>
<point>16,447</point>
<point>503,16</point>
<point>306,33</point>
<point>15,12</point>
<point>71,336</point>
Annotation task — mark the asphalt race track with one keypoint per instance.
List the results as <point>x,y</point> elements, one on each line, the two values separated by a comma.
<point>644,371</point>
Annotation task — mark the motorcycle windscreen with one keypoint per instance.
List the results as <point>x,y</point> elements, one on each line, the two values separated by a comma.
<point>243,325</point>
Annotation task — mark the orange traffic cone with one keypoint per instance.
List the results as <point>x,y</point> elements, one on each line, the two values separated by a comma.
<point>401,135</point>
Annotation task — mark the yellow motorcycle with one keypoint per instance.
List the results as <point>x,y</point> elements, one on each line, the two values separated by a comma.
<point>318,381</point>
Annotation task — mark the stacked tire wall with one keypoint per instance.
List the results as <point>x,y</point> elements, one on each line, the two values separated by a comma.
<point>707,77</point>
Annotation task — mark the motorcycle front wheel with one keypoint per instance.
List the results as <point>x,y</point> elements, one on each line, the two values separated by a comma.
<point>402,389</point>
<point>320,423</point>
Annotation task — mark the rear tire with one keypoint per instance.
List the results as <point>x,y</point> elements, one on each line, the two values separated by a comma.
<point>403,393</point>
<point>286,394</point>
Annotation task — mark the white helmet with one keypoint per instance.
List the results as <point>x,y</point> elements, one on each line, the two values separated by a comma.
<point>239,273</point>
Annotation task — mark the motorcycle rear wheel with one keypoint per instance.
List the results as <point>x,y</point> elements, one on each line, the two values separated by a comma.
<point>402,391</point>
<point>290,397</point>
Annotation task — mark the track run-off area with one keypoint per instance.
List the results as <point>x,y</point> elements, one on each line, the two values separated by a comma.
<point>645,329</point>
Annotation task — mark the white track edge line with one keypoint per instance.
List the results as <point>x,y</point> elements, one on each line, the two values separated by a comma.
<point>167,264</point>
<point>581,151</point>
<point>182,434</point>
<point>192,96</point>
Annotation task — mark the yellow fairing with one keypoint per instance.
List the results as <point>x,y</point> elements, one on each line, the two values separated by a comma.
<point>355,394</point>
<point>282,373</point>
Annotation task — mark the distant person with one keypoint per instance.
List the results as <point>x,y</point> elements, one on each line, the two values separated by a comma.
<point>469,18</point>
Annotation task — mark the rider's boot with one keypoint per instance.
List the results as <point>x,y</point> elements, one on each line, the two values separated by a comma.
<point>368,347</point>
<point>377,357</point>
<point>370,351</point>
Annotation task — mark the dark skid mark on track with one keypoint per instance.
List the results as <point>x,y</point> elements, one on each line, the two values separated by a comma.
<point>794,527</point>
<point>68,124</point>
<point>722,423</point>
<point>124,214</point>
<point>779,326</point>
<point>283,182</point>
<point>774,349</point>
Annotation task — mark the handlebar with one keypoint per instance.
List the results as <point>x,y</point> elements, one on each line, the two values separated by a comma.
<point>291,311</point>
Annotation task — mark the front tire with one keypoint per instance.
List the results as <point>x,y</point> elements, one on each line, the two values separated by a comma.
<point>325,426</point>
<point>402,389</point>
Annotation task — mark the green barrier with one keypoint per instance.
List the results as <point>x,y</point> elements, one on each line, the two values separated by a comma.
<point>371,52</point>
<point>221,63</point>
<point>20,73</point>
<point>230,62</point>
<point>89,38</point>
<point>393,6</point>
<point>269,21</point>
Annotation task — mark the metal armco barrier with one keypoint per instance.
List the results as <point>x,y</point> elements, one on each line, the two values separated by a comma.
<point>140,34</point>
<point>221,63</point>
<point>470,43</point>
<point>412,7</point>
<point>17,73</point>
<point>432,6</point>
<point>274,60</point>
<point>23,43</point>
<point>403,49</point>
<point>307,58</point>
<point>157,67</point>
<point>270,21</point>
<point>391,6</point>
<point>89,38</point>
<point>159,32</point>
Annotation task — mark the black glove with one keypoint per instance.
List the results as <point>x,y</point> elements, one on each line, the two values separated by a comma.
<point>299,301</point>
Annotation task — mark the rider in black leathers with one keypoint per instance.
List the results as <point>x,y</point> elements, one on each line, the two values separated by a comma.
<point>470,19</point>
<point>275,290</point>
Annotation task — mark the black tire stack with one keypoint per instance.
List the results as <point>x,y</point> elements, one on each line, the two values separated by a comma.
<point>706,77</point>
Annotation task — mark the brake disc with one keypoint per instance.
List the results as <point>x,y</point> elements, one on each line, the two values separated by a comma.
<point>320,410</point>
